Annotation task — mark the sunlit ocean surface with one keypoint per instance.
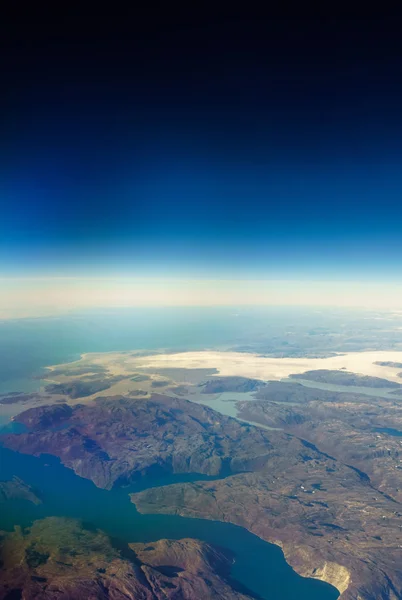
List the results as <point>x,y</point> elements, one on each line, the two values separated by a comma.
<point>28,345</point>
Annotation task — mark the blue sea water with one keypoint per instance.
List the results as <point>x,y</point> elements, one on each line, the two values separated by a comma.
<point>28,345</point>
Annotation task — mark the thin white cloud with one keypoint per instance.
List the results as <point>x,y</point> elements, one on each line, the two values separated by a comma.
<point>31,297</point>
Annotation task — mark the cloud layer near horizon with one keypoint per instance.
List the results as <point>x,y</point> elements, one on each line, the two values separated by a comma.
<point>32,297</point>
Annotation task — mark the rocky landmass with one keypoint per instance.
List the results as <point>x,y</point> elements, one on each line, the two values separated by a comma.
<point>179,390</point>
<point>189,569</point>
<point>388,363</point>
<point>45,417</point>
<point>329,518</point>
<point>219,385</point>
<point>16,489</point>
<point>140,377</point>
<point>80,388</point>
<point>292,392</point>
<point>114,441</point>
<point>160,383</point>
<point>59,558</point>
<point>345,426</point>
<point>136,393</point>
<point>19,397</point>
<point>346,378</point>
<point>329,521</point>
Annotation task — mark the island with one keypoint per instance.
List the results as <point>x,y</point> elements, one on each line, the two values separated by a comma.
<point>16,489</point>
<point>346,378</point>
<point>388,363</point>
<point>20,398</point>
<point>80,388</point>
<point>218,385</point>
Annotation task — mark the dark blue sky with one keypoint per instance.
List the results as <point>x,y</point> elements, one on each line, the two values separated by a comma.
<point>202,144</point>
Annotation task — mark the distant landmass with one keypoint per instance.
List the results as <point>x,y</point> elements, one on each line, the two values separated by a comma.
<point>218,385</point>
<point>346,378</point>
<point>81,388</point>
<point>17,397</point>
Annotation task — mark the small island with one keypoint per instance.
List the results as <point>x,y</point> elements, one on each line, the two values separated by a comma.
<point>218,385</point>
<point>16,489</point>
